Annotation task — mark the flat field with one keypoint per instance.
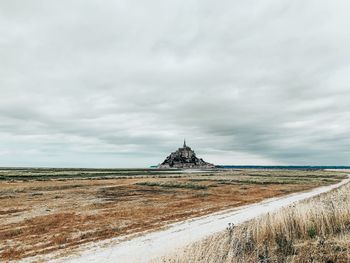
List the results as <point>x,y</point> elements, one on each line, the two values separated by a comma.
<point>47,210</point>
<point>314,230</point>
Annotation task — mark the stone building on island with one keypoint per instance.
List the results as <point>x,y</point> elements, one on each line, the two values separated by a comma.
<point>185,158</point>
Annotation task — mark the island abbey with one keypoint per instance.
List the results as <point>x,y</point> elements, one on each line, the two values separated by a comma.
<point>185,158</point>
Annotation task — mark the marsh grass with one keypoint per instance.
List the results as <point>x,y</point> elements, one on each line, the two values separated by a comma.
<point>38,174</point>
<point>268,180</point>
<point>48,213</point>
<point>174,185</point>
<point>311,231</point>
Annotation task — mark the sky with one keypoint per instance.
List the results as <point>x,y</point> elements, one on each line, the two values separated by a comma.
<point>87,83</point>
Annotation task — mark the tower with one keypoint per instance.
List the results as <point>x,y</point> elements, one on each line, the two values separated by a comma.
<point>185,143</point>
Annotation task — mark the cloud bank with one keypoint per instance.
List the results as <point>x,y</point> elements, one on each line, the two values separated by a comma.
<point>121,83</point>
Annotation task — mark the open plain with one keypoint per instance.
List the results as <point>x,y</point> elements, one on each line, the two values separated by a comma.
<point>57,210</point>
<point>315,229</point>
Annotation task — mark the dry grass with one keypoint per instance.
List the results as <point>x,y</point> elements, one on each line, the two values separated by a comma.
<point>46,215</point>
<point>317,230</point>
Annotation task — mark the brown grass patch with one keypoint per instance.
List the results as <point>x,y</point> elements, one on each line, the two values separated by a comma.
<point>39,217</point>
<point>317,230</point>
<point>11,253</point>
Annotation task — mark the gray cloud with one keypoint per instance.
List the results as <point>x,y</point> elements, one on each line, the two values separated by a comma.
<point>85,83</point>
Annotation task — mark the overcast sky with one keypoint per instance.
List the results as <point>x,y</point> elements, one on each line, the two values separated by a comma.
<point>121,83</point>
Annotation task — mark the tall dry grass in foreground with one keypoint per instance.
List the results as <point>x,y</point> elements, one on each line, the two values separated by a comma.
<point>317,230</point>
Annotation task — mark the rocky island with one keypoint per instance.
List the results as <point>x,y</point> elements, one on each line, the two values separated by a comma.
<point>185,158</point>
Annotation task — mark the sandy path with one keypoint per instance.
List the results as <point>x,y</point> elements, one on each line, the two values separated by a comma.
<point>155,244</point>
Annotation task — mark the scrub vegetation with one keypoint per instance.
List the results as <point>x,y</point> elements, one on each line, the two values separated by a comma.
<point>56,210</point>
<point>316,230</point>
